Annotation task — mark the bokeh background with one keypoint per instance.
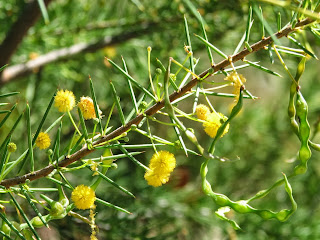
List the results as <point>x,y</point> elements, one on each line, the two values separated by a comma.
<point>260,143</point>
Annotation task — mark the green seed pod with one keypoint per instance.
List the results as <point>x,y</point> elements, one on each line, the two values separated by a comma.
<point>36,222</point>
<point>27,234</point>
<point>292,109</point>
<point>283,215</point>
<point>56,209</point>
<point>206,188</point>
<point>133,127</point>
<point>300,169</point>
<point>222,200</point>
<point>266,214</point>
<point>304,129</point>
<point>241,207</point>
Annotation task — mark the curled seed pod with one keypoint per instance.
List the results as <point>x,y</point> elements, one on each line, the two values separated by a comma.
<point>265,214</point>
<point>283,215</point>
<point>304,133</point>
<point>206,188</point>
<point>241,207</point>
<point>222,200</point>
<point>292,109</point>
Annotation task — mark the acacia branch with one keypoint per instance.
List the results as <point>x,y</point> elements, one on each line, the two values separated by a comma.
<point>155,108</point>
<point>19,29</point>
<point>13,72</point>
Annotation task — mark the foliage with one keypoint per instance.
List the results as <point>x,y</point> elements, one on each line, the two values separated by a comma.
<point>143,106</point>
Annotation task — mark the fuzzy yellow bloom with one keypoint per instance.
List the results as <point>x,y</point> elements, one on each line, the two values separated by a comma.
<point>238,80</point>
<point>64,101</point>
<point>161,165</point>
<point>162,162</point>
<point>155,179</point>
<point>87,108</point>
<point>43,140</point>
<point>83,197</point>
<point>213,123</point>
<point>202,111</point>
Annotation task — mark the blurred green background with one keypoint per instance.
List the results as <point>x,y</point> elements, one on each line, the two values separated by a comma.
<point>260,142</point>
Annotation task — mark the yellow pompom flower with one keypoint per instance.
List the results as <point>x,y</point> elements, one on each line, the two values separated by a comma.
<point>161,165</point>
<point>163,162</point>
<point>64,101</point>
<point>213,123</point>
<point>43,140</point>
<point>238,80</point>
<point>87,108</point>
<point>155,179</point>
<point>83,197</point>
<point>202,111</point>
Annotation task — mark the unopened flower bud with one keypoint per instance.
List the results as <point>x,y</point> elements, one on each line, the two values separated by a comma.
<point>12,147</point>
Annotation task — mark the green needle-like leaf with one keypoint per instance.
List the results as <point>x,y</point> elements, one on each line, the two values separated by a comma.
<point>13,228</point>
<point>96,108</point>
<point>30,145</point>
<point>24,216</point>
<point>25,193</point>
<point>44,11</point>
<point>115,184</point>
<point>129,155</point>
<point>116,99</point>
<point>8,94</point>
<point>98,200</point>
<point>203,29</point>
<point>83,124</point>
<point>132,80</point>
<point>39,129</point>
<point>12,130</point>
<point>132,95</point>
<point>262,68</point>
<point>302,47</point>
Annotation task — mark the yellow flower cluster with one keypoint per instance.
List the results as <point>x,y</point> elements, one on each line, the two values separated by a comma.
<point>83,197</point>
<point>202,111</point>
<point>161,165</point>
<point>64,101</point>
<point>43,140</point>
<point>238,80</point>
<point>212,120</point>
<point>87,108</point>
